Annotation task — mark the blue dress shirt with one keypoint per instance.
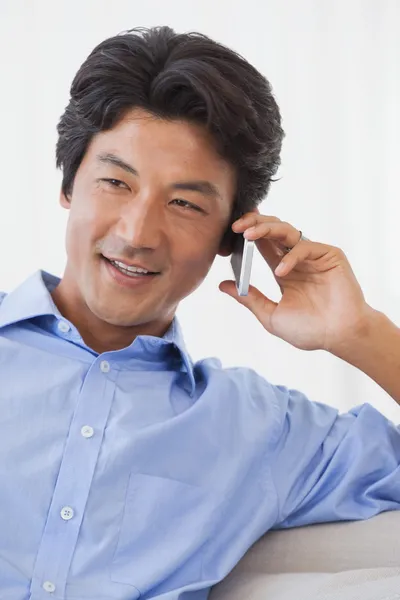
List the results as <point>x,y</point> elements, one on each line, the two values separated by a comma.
<point>138,474</point>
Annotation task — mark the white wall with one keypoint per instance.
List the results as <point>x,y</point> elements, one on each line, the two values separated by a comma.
<point>334,66</point>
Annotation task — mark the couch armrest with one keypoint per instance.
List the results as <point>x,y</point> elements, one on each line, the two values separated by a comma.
<point>327,547</point>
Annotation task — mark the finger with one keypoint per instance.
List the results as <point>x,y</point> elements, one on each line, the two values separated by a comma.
<point>250,219</point>
<point>321,257</point>
<point>270,252</point>
<point>270,236</point>
<point>281,232</point>
<point>261,306</point>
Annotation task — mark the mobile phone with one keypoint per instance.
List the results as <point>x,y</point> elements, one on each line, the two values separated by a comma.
<point>241,261</point>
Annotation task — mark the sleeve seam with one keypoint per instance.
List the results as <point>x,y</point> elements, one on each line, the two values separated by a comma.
<point>271,447</point>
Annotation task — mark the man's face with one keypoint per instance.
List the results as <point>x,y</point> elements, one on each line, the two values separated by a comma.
<point>153,194</point>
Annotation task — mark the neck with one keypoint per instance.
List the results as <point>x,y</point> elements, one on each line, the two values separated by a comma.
<point>99,335</point>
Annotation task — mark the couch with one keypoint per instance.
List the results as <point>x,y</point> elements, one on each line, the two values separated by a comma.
<point>357,560</point>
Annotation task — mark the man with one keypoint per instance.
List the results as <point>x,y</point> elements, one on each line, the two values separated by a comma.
<point>127,471</point>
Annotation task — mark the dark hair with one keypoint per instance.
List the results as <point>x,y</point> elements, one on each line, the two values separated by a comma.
<point>183,76</point>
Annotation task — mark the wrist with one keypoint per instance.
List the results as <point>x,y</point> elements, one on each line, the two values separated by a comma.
<point>375,350</point>
<point>362,336</point>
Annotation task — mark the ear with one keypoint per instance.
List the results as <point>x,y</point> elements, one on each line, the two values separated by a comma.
<point>227,243</point>
<point>65,201</point>
<point>224,251</point>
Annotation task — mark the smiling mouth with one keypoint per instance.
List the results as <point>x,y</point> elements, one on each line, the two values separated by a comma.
<point>130,271</point>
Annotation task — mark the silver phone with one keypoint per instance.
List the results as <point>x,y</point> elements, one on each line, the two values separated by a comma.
<point>241,261</point>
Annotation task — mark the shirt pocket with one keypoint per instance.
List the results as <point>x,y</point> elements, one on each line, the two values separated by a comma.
<point>164,527</point>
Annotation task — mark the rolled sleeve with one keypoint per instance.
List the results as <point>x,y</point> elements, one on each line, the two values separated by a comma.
<point>328,466</point>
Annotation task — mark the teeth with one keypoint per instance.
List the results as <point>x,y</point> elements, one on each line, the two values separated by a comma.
<point>121,265</point>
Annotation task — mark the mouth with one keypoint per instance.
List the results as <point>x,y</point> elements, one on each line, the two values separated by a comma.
<point>128,275</point>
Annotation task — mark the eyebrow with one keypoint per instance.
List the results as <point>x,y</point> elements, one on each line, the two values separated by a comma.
<point>113,159</point>
<point>203,187</point>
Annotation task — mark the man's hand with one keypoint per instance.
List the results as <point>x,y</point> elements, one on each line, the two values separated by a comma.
<point>322,304</point>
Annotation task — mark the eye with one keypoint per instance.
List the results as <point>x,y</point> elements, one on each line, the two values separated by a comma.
<point>116,183</point>
<point>187,205</point>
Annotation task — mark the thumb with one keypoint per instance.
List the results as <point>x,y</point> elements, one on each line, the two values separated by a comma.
<point>261,306</point>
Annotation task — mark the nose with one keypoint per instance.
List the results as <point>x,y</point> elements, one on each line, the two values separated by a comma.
<point>141,223</point>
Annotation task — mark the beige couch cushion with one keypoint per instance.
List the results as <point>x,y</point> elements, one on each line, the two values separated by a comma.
<point>303,560</point>
<point>363,584</point>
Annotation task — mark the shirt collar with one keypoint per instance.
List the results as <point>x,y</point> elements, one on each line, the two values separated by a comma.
<point>30,299</point>
<point>33,299</point>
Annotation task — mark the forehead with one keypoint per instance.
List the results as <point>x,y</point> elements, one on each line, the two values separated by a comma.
<point>144,139</point>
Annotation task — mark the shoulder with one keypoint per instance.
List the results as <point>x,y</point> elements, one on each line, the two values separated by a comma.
<point>240,397</point>
<point>245,385</point>
<point>244,377</point>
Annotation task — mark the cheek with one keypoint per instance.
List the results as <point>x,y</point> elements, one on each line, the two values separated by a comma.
<point>190,268</point>
<point>77,236</point>
<point>194,261</point>
<point>84,225</point>
<point>198,247</point>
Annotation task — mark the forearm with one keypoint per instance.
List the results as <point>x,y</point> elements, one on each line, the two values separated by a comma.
<point>376,352</point>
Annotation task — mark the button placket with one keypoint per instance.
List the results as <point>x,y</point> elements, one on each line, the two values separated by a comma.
<point>66,519</point>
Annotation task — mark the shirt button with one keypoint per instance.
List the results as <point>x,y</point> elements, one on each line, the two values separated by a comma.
<point>48,586</point>
<point>105,366</point>
<point>67,513</point>
<point>63,326</point>
<point>87,431</point>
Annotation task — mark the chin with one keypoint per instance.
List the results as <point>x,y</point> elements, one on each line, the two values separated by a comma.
<point>120,319</point>
<point>124,318</point>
